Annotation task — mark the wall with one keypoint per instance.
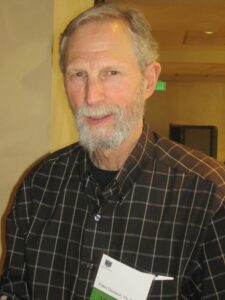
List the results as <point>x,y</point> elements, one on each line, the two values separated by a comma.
<point>195,102</point>
<point>25,87</point>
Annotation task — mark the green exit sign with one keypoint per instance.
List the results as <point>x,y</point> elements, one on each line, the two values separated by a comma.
<point>160,86</point>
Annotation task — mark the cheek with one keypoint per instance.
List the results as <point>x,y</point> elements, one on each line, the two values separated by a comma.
<point>120,93</point>
<point>74,94</point>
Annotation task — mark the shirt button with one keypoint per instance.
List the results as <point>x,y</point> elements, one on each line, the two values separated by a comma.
<point>97,217</point>
<point>89,266</point>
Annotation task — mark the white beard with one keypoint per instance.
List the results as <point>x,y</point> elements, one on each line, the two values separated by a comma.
<point>109,137</point>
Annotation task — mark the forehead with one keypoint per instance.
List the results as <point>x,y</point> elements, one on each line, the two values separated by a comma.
<point>101,29</point>
<point>98,37</point>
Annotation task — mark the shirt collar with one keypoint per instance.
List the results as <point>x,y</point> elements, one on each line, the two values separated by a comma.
<point>138,159</point>
<point>126,177</point>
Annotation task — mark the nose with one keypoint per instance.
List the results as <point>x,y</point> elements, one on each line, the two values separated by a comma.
<point>94,91</point>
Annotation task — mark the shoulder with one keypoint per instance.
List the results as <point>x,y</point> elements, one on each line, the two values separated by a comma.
<point>190,161</point>
<point>64,153</point>
<point>54,164</point>
<point>40,184</point>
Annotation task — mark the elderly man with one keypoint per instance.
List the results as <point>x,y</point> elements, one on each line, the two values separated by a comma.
<point>122,190</point>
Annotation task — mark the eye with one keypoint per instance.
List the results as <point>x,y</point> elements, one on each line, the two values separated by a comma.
<point>113,72</point>
<point>79,74</point>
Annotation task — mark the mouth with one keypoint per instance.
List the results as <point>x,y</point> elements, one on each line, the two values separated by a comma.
<point>98,120</point>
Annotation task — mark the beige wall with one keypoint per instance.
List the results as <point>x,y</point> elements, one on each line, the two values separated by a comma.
<point>25,87</point>
<point>195,102</point>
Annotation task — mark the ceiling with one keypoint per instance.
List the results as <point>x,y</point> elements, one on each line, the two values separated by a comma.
<point>180,26</point>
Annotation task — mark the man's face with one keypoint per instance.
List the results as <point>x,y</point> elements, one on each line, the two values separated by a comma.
<point>104,85</point>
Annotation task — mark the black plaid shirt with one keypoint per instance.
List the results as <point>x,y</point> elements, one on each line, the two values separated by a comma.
<point>163,213</point>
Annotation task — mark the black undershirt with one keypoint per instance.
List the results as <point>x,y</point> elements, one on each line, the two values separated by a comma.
<point>102,177</point>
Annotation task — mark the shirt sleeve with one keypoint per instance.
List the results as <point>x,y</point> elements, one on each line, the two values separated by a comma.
<point>213,258</point>
<point>13,279</point>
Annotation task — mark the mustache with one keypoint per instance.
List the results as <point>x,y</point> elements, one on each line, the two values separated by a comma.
<point>99,111</point>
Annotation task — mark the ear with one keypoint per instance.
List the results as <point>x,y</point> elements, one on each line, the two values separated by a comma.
<point>151,76</point>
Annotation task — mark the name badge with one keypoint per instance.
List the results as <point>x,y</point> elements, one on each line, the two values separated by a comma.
<point>117,281</point>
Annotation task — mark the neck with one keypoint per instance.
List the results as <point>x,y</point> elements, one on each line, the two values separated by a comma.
<point>114,159</point>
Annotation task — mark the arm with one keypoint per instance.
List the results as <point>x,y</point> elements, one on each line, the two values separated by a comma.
<point>213,258</point>
<point>13,280</point>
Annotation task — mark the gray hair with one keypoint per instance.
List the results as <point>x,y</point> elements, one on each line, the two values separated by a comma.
<point>145,47</point>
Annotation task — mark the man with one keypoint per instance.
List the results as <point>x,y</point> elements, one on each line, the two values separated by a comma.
<point>122,190</point>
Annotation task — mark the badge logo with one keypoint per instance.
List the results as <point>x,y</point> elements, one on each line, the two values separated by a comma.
<point>108,263</point>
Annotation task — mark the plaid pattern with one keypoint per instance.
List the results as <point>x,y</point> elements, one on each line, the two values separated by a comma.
<point>163,213</point>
